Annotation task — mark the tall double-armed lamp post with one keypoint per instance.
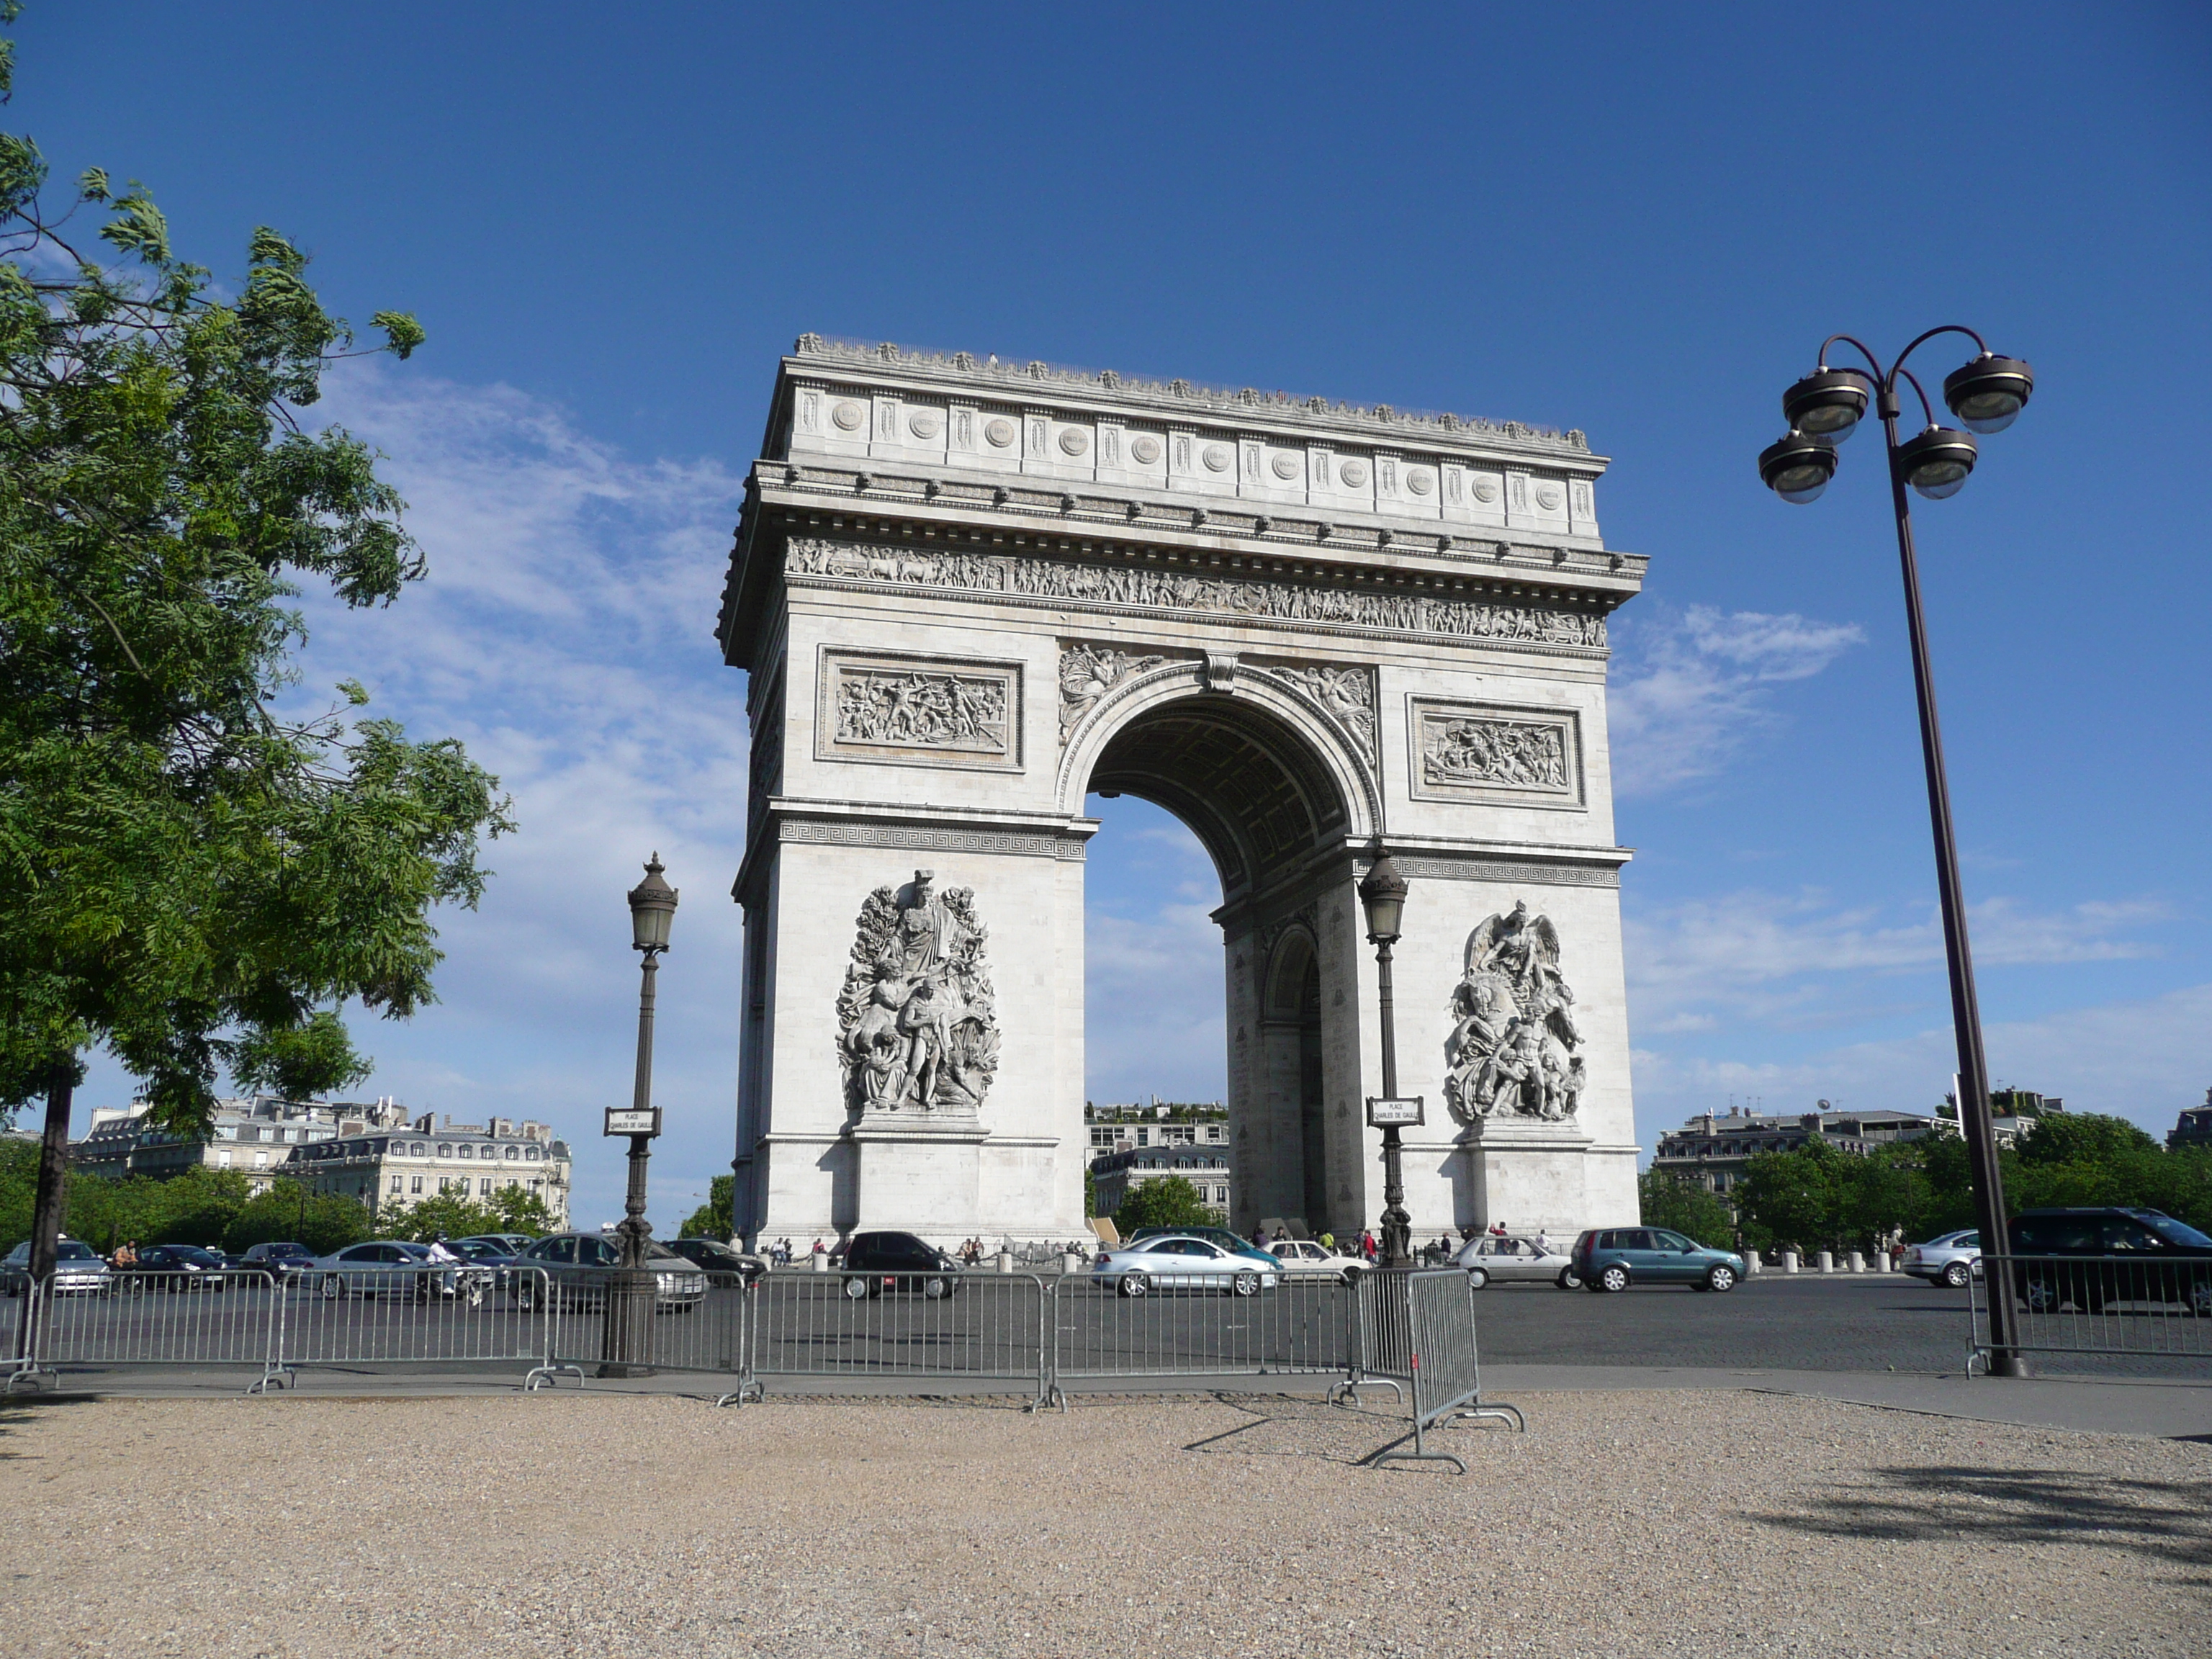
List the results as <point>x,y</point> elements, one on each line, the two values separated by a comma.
<point>1382,895</point>
<point>1987,395</point>
<point>626,1347</point>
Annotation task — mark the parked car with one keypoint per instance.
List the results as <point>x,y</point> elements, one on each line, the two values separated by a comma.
<point>1951,1258</point>
<point>2125,1256</point>
<point>1183,1261</point>
<point>716,1257</point>
<point>78,1270</point>
<point>1302,1258</point>
<point>579,1267</point>
<point>1234,1243</point>
<point>899,1263</point>
<point>279,1259</point>
<point>175,1268</point>
<point>374,1269</point>
<point>1517,1261</point>
<point>513,1243</point>
<point>1612,1258</point>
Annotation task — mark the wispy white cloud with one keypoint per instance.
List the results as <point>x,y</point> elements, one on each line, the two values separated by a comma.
<point>1689,689</point>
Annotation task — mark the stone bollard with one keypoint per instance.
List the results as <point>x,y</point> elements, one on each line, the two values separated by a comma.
<point>821,1260</point>
<point>1824,1262</point>
<point>1858,1262</point>
<point>1882,1261</point>
<point>1006,1261</point>
<point>1789,1261</point>
<point>1070,1262</point>
<point>1751,1263</point>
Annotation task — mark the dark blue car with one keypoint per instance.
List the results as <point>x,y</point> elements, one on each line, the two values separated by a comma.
<point>1613,1258</point>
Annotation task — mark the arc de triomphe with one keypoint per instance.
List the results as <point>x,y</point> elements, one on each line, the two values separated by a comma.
<point>969,593</point>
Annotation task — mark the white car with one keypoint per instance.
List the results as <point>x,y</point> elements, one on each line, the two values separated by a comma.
<point>1949,1258</point>
<point>1301,1258</point>
<point>1516,1261</point>
<point>1178,1262</point>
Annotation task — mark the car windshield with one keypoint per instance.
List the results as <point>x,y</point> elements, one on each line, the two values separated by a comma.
<point>70,1250</point>
<point>2178,1232</point>
<point>197,1256</point>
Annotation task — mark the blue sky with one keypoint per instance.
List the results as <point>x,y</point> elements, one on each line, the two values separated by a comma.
<point>1635,220</point>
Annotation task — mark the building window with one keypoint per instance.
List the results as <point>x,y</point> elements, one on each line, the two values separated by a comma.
<point>395,1186</point>
<point>467,1151</point>
<point>483,1187</point>
<point>417,1186</point>
<point>513,1152</point>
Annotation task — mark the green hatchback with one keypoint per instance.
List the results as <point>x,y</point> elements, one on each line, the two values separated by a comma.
<point>1613,1258</point>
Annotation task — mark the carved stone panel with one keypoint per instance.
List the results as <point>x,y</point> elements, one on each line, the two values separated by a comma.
<point>1347,692</point>
<point>1484,752</point>
<point>917,1019</point>
<point>1512,1051</point>
<point>919,711</point>
<point>1088,673</point>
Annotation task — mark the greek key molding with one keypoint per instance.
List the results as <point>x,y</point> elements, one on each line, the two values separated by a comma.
<point>1075,584</point>
<point>915,838</point>
<point>1536,873</point>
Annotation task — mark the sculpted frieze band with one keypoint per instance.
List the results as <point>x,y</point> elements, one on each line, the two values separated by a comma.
<point>932,712</point>
<point>1247,597</point>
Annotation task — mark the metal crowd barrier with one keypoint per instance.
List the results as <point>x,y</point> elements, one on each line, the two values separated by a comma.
<point>363,1317</point>
<point>1299,1326</point>
<point>1439,1361</point>
<point>2115,1306</point>
<point>709,1333</point>
<point>958,1329</point>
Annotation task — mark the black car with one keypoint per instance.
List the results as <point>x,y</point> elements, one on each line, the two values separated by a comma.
<point>176,1267</point>
<point>876,1262</point>
<point>2124,1255</point>
<point>717,1257</point>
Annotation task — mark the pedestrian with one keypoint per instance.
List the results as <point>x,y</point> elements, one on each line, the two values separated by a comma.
<point>1259,1232</point>
<point>1367,1243</point>
<point>1543,1243</point>
<point>128,1255</point>
<point>1497,1230</point>
<point>1328,1242</point>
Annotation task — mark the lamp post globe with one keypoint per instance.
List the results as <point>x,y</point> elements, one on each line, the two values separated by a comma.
<point>1937,462</point>
<point>1828,403</point>
<point>1382,895</point>
<point>1988,394</point>
<point>1798,466</point>
<point>651,907</point>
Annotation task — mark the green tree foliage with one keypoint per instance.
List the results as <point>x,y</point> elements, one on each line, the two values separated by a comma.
<point>713,1219</point>
<point>323,1222</point>
<point>509,1210</point>
<point>2083,1137</point>
<point>191,867</point>
<point>1164,1202</point>
<point>1671,1201</point>
<point>196,1207</point>
<point>1090,1194</point>
<point>311,1060</point>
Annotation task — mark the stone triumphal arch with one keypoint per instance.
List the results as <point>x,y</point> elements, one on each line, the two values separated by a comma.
<point>968,594</point>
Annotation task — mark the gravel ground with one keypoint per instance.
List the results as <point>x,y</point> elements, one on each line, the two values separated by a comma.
<point>657,1527</point>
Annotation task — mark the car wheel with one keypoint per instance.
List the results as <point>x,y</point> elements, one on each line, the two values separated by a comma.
<point>1245,1284</point>
<point>1133,1285</point>
<point>2200,1298</point>
<point>1956,1275</point>
<point>1476,1279</point>
<point>1721,1277</point>
<point>333,1287</point>
<point>856,1287</point>
<point>1569,1279</point>
<point>1611,1278</point>
<point>525,1296</point>
<point>2040,1295</point>
<point>937,1289</point>
<point>1352,1275</point>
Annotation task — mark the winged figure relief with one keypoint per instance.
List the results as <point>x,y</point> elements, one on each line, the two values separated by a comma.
<point>1513,1043</point>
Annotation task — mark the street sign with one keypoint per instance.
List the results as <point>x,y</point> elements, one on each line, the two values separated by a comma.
<point>1384,1114</point>
<point>630,1121</point>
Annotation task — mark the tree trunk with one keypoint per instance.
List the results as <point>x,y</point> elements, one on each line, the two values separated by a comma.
<point>53,1177</point>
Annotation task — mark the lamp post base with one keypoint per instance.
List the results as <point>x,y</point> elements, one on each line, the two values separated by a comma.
<point>626,1349</point>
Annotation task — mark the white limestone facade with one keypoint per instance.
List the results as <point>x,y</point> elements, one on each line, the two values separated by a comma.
<point>968,594</point>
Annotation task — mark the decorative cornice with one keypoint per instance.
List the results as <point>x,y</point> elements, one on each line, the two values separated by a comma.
<point>1171,399</point>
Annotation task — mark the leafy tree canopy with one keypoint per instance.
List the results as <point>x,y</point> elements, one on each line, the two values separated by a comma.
<point>1164,1202</point>
<point>509,1210</point>
<point>714,1218</point>
<point>1669,1200</point>
<point>193,872</point>
<point>2082,1138</point>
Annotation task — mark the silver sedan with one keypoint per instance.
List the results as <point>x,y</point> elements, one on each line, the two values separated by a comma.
<point>1178,1262</point>
<point>1949,1258</point>
<point>1516,1261</point>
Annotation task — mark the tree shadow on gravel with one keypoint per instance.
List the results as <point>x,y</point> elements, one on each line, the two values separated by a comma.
<point>1286,1426</point>
<point>17,1409</point>
<point>2169,1520</point>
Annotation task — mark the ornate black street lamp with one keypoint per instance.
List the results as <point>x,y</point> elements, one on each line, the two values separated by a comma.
<point>626,1344</point>
<point>1987,395</point>
<point>1383,896</point>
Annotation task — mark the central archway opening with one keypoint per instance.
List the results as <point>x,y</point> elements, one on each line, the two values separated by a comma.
<point>1209,968</point>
